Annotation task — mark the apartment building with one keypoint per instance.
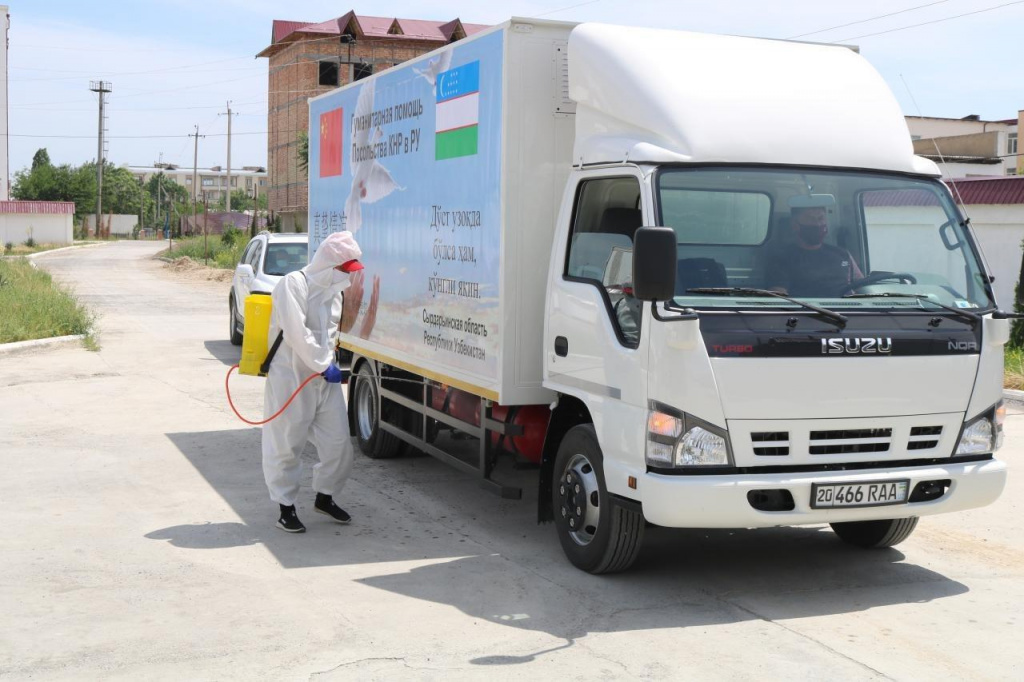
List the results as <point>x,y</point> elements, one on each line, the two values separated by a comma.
<point>210,182</point>
<point>969,146</point>
<point>308,59</point>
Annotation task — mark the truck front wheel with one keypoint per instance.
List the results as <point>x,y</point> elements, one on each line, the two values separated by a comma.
<point>373,440</point>
<point>598,534</point>
<point>872,534</point>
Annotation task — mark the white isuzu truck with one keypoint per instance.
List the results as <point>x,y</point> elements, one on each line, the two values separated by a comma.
<point>697,281</point>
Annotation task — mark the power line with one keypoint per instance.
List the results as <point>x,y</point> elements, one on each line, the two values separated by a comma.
<point>935,21</point>
<point>864,21</point>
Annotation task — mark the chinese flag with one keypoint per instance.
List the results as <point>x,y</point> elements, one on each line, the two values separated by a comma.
<point>330,143</point>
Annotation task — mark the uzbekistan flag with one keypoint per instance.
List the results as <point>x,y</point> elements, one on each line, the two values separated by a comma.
<point>458,112</point>
<point>330,142</point>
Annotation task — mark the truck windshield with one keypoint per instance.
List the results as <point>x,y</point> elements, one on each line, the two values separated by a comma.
<point>818,236</point>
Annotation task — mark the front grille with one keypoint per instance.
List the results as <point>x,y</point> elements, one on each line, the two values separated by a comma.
<point>772,443</point>
<point>924,437</point>
<point>850,441</point>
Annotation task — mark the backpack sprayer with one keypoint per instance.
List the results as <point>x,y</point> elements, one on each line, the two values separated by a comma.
<point>255,357</point>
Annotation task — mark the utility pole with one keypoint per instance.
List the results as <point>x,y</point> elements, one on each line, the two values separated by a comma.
<point>206,214</point>
<point>195,174</point>
<point>101,87</point>
<point>227,189</point>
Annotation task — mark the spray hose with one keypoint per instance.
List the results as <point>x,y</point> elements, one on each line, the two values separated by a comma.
<point>272,417</point>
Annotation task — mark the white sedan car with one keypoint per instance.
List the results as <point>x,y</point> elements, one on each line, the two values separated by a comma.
<point>266,259</point>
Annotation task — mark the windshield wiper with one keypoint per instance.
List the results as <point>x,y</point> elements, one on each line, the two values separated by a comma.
<point>838,318</point>
<point>964,315</point>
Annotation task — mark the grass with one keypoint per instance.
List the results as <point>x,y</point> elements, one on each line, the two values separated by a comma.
<point>225,256</point>
<point>25,249</point>
<point>1013,369</point>
<point>35,307</point>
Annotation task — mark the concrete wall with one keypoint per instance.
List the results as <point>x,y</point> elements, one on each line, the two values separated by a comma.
<point>970,170</point>
<point>999,230</point>
<point>44,228</point>
<point>942,127</point>
<point>121,225</point>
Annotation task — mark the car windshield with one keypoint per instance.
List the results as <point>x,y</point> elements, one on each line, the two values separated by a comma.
<point>284,258</point>
<point>843,240</point>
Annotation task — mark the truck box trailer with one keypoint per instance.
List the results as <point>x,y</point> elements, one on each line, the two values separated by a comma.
<point>697,280</point>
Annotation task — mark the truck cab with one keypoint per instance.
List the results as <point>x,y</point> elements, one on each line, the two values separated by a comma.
<point>804,325</point>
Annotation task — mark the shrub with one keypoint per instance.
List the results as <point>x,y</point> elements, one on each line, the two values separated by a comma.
<point>30,243</point>
<point>231,236</point>
<point>8,247</point>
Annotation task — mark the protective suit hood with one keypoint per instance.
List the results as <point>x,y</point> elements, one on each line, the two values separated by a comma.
<point>337,249</point>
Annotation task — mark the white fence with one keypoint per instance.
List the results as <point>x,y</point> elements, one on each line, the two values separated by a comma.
<point>43,228</point>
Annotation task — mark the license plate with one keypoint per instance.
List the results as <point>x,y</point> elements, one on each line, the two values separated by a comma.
<point>877,494</point>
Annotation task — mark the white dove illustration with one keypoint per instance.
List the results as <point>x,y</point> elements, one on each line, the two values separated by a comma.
<point>370,180</point>
<point>438,64</point>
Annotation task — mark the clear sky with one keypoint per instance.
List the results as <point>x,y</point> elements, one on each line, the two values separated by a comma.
<point>174,64</point>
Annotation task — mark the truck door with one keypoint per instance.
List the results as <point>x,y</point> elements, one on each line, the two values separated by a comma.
<point>594,337</point>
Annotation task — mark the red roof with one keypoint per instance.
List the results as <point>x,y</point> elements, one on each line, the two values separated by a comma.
<point>1008,190</point>
<point>283,28</point>
<point>370,27</point>
<point>48,207</point>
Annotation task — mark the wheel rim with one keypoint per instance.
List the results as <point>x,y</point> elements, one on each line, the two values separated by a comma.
<point>579,499</point>
<point>365,407</point>
<point>232,324</point>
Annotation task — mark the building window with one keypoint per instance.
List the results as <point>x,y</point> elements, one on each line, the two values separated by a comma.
<point>209,182</point>
<point>188,180</point>
<point>362,71</point>
<point>329,73</point>
<point>1011,171</point>
<point>1011,143</point>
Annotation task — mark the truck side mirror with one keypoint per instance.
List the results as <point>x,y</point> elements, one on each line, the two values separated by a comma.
<point>654,263</point>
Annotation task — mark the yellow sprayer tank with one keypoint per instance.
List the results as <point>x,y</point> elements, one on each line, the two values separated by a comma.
<point>254,341</point>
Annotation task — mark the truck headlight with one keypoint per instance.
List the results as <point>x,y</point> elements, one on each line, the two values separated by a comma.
<point>984,434</point>
<point>679,440</point>
<point>700,447</point>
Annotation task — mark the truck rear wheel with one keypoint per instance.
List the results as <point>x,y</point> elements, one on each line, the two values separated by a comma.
<point>373,440</point>
<point>598,534</point>
<point>873,534</point>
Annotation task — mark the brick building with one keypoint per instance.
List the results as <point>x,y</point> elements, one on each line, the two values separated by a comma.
<point>308,59</point>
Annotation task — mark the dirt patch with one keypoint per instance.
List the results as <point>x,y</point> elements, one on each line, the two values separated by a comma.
<point>186,268</point>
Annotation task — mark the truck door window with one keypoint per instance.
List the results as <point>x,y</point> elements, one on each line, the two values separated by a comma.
<point>606,216</point>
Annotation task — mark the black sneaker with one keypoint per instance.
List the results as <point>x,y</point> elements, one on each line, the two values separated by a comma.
<point>325,505</point>
<point>289,521</point>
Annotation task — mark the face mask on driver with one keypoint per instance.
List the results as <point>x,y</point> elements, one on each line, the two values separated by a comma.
<point>813,235</point>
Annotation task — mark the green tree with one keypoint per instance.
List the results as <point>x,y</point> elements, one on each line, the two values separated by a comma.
<point>302,151</point>
<point>41,158</point>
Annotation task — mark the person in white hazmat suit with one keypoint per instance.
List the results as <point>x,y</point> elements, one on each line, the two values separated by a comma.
<point>305,313</point>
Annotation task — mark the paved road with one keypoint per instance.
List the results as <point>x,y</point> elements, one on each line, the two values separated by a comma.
<point>139,542</point>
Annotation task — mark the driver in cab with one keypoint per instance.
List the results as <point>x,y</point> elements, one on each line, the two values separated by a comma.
<point>808,266</point>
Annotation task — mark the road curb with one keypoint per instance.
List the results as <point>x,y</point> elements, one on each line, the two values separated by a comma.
<point>19,347</point>
<point>1013,396</point>
<point>33,256</point>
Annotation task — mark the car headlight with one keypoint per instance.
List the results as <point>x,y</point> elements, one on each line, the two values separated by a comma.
<point>676,439</point>
<point>984,434</point>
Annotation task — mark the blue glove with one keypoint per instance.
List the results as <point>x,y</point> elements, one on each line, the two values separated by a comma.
<point>333,374</point>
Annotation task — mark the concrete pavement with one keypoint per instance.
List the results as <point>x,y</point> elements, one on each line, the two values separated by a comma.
<point>140,542</point>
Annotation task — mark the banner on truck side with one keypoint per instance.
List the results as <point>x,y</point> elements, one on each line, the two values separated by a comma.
<point>410,163</point>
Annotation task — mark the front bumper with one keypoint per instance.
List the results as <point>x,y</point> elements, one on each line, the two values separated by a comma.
<point>706,501</point>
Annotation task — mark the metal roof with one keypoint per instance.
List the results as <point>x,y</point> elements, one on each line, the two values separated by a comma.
<point>1008,190</point>
<point>38,207</point>
<point>370,27</point>
<point>969,191</point>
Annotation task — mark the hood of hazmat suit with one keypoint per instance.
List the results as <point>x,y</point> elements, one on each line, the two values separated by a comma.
<point>307,309</point>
